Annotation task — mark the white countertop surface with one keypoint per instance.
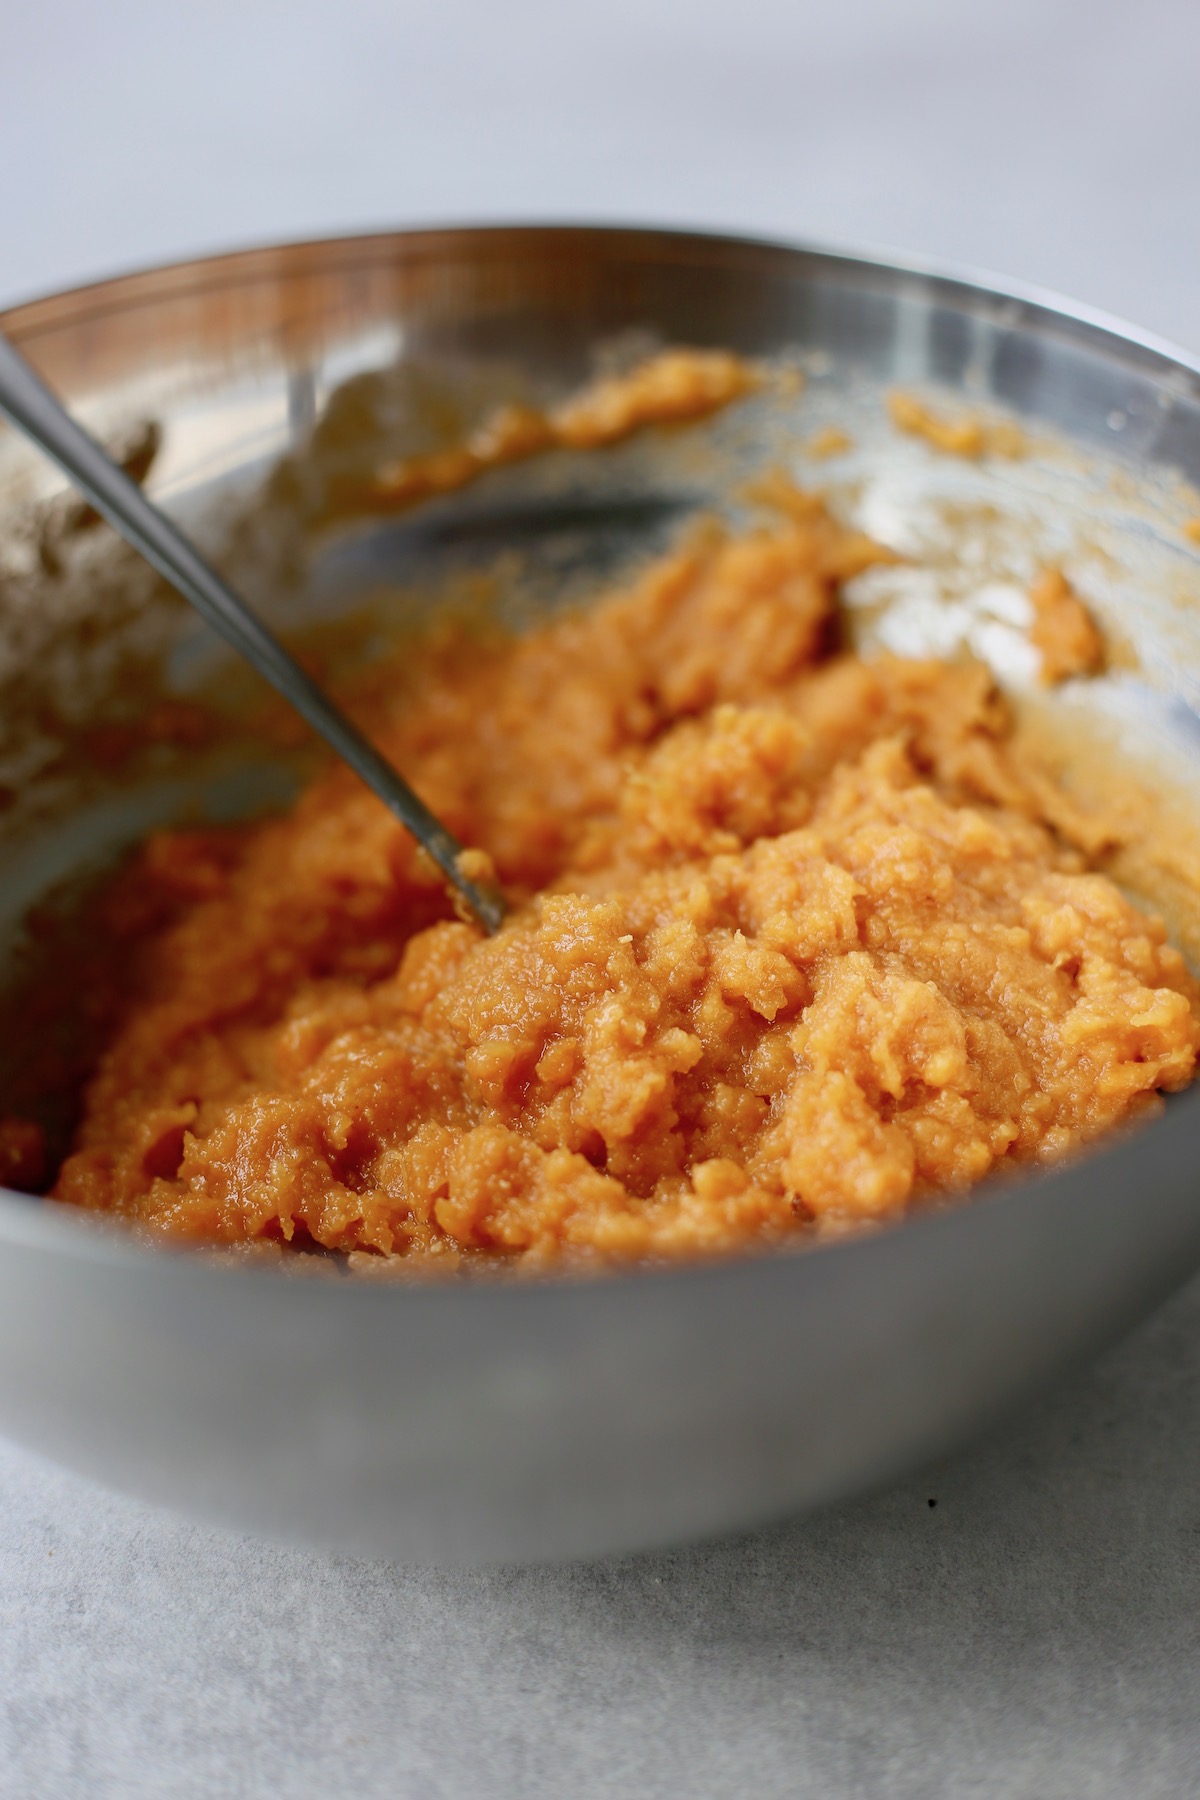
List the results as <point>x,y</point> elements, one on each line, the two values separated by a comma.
<point>1034,1635</point>
<point>1037,1632</point>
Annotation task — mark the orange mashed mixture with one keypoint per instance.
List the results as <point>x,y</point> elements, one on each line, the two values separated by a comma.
<point>1063,630</point>
<point>968,435</point>
<point>671,388</point>
<point>797,941</point>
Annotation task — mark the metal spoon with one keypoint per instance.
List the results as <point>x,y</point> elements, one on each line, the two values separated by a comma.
<point>33,409</point>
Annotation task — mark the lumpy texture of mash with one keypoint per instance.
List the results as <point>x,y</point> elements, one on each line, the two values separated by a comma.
<point>798,941</point>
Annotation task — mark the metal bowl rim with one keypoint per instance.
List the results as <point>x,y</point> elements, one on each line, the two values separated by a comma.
<point>21,317</point>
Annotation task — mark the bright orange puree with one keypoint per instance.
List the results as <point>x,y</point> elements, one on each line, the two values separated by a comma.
<point>793,948</point>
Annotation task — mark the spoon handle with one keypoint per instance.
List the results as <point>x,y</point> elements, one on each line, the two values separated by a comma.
<point>34,410</point>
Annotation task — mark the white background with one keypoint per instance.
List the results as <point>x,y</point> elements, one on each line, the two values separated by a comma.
<point>1037,1632</point>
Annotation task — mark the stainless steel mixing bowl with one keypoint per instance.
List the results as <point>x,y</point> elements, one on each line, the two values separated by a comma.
<point>551,1419</point>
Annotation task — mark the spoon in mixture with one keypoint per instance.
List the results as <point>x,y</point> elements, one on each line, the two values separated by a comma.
<point>33,409</point>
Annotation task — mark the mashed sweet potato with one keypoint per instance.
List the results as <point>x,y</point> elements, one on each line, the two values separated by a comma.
<point>671,388</point>
<point>798,941</point>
